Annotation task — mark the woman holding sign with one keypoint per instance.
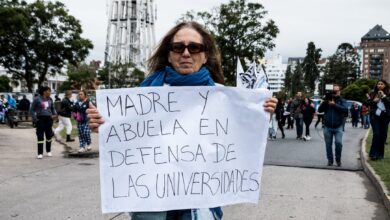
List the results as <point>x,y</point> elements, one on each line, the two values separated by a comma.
<point>186,56</point>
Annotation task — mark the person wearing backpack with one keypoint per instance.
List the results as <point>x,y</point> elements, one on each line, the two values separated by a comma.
<point>65,112</point>
<point>82,122</point>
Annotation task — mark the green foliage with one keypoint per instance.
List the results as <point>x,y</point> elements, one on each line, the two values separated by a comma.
<point>39,38</point>
<point>281,95</point>
<point>240,30</point>
<point>381,167</point>
<point>5,84</point>
<point>357,91</point>
<point>288,81</point>
<point>82,77</point>
<point>297,80</point>
<point>343,67</point>
<point>103,76</point>
<point>121,75</point>
<point>310,67</point>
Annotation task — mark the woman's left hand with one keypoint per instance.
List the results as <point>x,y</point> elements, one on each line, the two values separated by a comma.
<point>270,105</point>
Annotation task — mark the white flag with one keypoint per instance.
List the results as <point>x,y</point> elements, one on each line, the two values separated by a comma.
<point>262,80</point>
<point>239,72</point>
<point>248,79</point>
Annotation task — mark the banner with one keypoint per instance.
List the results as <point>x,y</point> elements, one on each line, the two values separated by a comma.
<point>167,148</point>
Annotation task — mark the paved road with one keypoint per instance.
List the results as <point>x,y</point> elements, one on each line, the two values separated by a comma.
<point>64,188</point>
<point>312,154</point>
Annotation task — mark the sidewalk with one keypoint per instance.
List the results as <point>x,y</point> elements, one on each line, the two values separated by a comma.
<point>71,148</point>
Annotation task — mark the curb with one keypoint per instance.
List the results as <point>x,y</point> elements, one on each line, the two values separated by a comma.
<point>375,179</point>
<point>70,153</point>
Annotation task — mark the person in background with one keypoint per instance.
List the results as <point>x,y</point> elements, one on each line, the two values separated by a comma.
<point>24,107</point>
<point>279,113</point>
<point>296,110</point>
<point>2,111</point>
<point>365,115</point>
<point>379,103</point>
<point>187,56</point>
<point>16,98</point>
<point>42,111</point>
<point>11,102</point>
<point>82,122</point>
<point>334,110</point>
<point>289,116</point>
<point>64,115</point>
<point>320,118</point>
<point>308,115</point>
<point>355,112</point>
<point>57,99</point>
<point>3,100</point>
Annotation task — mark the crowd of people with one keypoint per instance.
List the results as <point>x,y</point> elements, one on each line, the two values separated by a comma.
<point>332,113</point>
<point>43,111</point>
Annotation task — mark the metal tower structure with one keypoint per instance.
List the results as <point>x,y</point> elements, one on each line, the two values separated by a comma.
<point>130,32</point>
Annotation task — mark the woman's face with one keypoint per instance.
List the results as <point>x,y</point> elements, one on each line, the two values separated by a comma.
<point>186,62</point>
<point>380,85</point>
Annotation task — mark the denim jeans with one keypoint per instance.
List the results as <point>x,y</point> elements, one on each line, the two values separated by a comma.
<point>299,127</point>
<point>337,133</point>
<point>366,121</point>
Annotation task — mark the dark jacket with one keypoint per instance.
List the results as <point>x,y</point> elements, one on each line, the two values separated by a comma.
<point>42,107</point>
<point>24,105</point>
<point>296,108</point>
<point>308,109</point>
<point>279,111</point>
<point>373,105</point>
<point>334,114</point>
<point>81,108</point>
<point>66,108</point>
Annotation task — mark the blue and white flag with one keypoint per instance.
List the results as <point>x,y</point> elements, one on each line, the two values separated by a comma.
<point>262,80</point>
<point>247,79</point>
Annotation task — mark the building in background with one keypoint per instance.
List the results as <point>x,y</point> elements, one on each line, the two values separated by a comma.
<point>293,62</point>
<point>275,71</point>
<point>375,47</point>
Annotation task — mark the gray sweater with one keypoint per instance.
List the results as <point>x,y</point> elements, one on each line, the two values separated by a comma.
<point>42,107</point>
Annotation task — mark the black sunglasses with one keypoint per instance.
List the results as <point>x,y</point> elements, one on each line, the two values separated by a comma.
<point>191,47</point>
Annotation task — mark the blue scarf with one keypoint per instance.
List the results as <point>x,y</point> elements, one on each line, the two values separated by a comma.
<point>173,78</point>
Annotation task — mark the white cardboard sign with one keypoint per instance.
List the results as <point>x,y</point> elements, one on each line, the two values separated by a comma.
<point>167,148</point>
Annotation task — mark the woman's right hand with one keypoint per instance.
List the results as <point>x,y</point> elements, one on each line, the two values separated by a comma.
<point>95,119</point>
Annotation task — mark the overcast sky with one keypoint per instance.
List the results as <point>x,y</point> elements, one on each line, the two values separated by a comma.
<point>325,22</point>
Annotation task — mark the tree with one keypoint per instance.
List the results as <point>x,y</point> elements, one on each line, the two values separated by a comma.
<point>38,39</point>
<point>343,67</point>
<point>240,30</point>
<point>121,75</point>
<point>288,81</point>
<point>310,67</point>
<point>357,91</point>
<point>80,77</point>
<point>297,80</point>
<point>5,84</point>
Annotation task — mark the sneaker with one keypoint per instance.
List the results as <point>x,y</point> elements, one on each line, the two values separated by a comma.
<point>338,163</point>
<point>330,163</point>
<point>307,137</point>
<point>81,150</point>
<point>40,156</point>
<point>49,154</point>
<point>89,148</point>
